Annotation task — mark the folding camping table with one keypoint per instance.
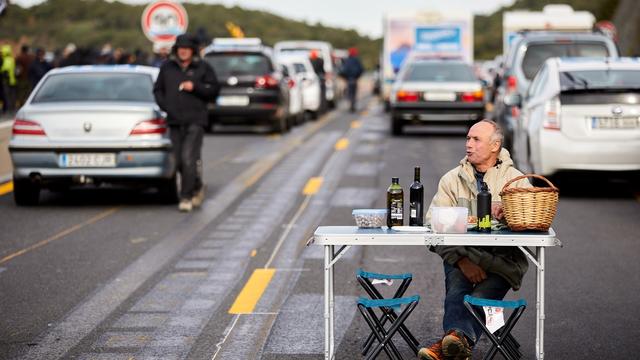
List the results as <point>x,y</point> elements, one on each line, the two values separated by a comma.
<point>343,237</point>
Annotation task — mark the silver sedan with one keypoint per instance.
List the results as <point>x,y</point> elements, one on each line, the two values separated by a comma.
<point>91,125</point>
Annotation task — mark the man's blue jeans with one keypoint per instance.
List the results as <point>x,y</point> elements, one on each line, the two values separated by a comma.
<point>456,315</point>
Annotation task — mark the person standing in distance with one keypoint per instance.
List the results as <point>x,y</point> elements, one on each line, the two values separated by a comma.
<point>184,86</point>
<point>318,67</point>
<point>351,72</point>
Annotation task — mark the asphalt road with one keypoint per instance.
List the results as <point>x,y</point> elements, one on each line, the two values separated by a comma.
<point>112,274</point>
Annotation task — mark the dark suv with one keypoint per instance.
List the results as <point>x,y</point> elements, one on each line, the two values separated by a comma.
<point>528,52</point>
<point>252,89</point>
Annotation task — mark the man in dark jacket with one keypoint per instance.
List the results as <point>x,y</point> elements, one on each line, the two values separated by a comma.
<point>184,87</point>
<point>39,67</point>
<point>318,67</point>
<point>351,72</point>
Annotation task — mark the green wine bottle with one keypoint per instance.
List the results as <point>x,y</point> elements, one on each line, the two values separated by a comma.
<point>395,203</point>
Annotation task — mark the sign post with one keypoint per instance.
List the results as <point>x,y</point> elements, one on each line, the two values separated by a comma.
<point>162,21</point>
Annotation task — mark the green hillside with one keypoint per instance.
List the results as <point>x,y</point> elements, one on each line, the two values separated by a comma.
<point>92,23</point>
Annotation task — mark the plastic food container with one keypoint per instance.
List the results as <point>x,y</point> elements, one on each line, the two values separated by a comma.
<point>449,220</point>
<point>370,218</point>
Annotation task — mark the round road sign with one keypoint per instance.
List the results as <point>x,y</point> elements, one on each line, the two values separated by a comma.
<point>163,21</point>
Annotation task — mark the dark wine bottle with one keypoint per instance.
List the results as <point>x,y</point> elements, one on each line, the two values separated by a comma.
<point>395,203</point>
<point>416,200</point>
<point>484,208</point>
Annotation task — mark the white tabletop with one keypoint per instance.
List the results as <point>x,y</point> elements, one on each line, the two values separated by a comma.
<point>352,235</point>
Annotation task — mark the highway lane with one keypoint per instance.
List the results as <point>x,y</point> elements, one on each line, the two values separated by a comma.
<point>254,250</point>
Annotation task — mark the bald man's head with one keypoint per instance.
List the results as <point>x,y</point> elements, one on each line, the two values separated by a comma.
<point>484,142</point>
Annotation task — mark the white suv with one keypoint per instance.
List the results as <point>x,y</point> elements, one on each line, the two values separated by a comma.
<point>580,114</point>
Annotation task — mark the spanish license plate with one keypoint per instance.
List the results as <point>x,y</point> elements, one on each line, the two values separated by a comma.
<point>440,96</point>
<point>627,122</point>
<point>233,100</point>
<point>88,160</point>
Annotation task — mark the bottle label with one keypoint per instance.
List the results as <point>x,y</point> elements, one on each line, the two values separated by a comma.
<point>396,209</point>
<point>485,222</point>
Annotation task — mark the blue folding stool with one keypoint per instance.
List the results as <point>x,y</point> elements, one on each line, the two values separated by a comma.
<point>384,336</point>
<point>502,339</point>
<point>388,312</point>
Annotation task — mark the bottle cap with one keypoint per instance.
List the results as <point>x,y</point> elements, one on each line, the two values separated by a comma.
<point>395,179</point>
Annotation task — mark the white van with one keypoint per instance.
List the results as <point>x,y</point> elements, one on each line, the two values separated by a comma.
<point>325,50</point>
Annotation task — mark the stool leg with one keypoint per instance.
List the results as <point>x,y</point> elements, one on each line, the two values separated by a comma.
<point>389,335</point>
<point>388,314</point>
<point>376,330</point>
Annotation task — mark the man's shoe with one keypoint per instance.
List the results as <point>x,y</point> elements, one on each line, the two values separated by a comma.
<point>198,198</point>
<point>456,346</point>
<point>433,352</point>
<point>185,205</point>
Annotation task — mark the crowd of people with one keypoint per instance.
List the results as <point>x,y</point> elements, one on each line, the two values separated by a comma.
<point>20,73</point>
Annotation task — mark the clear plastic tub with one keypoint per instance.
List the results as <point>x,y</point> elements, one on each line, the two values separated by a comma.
<point>370,218</point>
<point>449,219</point>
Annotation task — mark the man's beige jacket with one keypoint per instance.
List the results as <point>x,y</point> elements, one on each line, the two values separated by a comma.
<point>458,187</point>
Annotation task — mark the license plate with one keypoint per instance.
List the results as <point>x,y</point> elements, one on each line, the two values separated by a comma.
<point>628,122</point>
<point>85,160</point>
<point>233,100</point>
<point>440,96</point>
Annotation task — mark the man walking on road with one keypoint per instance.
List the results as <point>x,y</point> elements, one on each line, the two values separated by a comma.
<point>184,87</point>
<point>477,271</point>
<point>351,72</point>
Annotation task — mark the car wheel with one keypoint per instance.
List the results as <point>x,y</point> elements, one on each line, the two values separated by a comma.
<point>25,192</point>
<point>396,126</point>
<point>169,190</point>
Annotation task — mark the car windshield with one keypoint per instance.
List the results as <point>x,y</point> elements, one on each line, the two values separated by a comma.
<point>537,54</point>
<point>439,72</point>
<point>96,87</point>
<point>233,64</point>
<point>600,79</point>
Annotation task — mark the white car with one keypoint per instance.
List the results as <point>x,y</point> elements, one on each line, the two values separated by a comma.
<point>580,114</point>
<point>325,51</point>
<point>296,100</point>
<point>307,78</point>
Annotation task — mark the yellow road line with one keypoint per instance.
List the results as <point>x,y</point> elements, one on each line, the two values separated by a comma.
<point>59,235</point>
<point>342,144</point>
<point>252,291</point>
<point>356,124</point>
<point>254,252</point>
<point>6,188</point>
<point>313,185</point>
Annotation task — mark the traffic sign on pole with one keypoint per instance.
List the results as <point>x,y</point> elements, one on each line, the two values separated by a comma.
<point>162,21</point>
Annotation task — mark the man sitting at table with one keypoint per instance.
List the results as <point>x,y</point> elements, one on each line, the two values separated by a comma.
<point>483,272</point>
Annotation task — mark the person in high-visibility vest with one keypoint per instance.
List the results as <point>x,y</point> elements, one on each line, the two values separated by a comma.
<point>8,75</point>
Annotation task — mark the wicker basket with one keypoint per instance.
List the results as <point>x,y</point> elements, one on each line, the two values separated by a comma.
<point>529,208</point>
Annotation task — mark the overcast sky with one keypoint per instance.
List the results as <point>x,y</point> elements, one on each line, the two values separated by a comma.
<point>363,15</point>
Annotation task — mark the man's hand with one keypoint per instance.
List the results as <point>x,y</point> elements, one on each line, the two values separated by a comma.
<point>186,86</point>
<point>497,210</point>
<point>471,271</point>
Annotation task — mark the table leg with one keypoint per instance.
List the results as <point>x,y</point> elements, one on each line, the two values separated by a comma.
<point>332,305</point>
<point>327,294</point>
<point>540,315</point>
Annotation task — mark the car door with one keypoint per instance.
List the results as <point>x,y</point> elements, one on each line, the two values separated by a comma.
<point>532,103</point>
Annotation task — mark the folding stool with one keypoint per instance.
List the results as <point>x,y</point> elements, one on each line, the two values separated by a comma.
<point>502,339</point>
<point>383,335</point>
<point>388,313</point>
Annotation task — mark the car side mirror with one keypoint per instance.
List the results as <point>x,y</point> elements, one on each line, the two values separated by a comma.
<point>513,100</point>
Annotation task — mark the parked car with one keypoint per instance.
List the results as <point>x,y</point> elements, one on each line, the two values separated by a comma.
<point>325,50</point>
<point>580,114</point>
<point>296,99</point>
<point>308,80</point>
<point>91,125</point>
<point>435,91</point>
<point>252,88</point>
<point>528,53</point>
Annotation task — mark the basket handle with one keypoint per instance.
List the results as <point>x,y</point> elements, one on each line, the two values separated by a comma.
<point>528,176</point>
